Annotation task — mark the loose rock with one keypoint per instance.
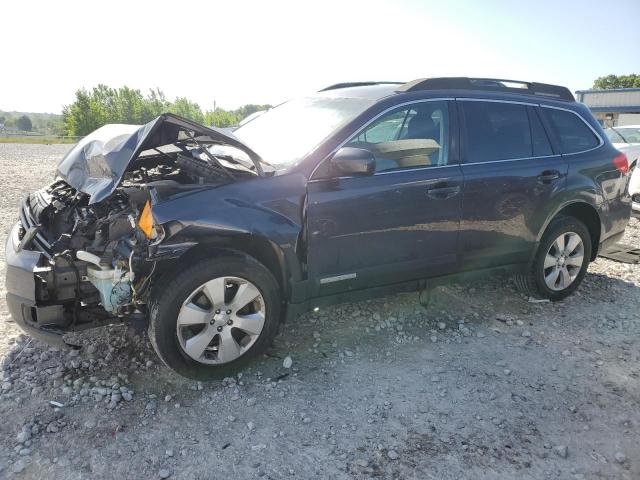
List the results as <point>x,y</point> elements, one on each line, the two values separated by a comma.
<point>561,451</point>
<point>287,362</point>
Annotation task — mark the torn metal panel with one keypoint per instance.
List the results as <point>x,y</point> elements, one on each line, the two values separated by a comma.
<point>96,165</point>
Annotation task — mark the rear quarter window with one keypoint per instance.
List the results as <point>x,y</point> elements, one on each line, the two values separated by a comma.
<point>573,133</point>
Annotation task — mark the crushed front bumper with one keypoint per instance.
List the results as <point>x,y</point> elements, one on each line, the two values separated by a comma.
<point>32,317</point>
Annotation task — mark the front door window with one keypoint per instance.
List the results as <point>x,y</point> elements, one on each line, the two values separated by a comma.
<point>408,137</point>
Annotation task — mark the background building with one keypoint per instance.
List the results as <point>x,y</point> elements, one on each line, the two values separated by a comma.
<point>615,107</point>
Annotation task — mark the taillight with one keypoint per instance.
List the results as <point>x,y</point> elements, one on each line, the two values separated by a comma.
<point>621,163</point>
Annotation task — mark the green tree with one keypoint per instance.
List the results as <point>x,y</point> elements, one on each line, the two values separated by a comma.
<point>226,118</point>
<point>246,110</point>
<point>103,105</point>
<point>126,106</point>
<point>617,81</point>
<point>221,118</point>
<point>54,127</point>
<point>93,109</point>
<point>188,109</point>
<point>86,113</point>
<point>155,104</point>
<point>24,123</point>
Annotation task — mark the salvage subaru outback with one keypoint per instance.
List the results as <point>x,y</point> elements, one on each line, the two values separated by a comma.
<point>215,238</point>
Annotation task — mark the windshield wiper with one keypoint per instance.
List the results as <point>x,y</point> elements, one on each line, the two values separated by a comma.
<point>213,160</point>
<point>267,164</point>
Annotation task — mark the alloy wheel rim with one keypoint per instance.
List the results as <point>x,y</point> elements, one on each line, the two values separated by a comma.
<point>563,261</point>
<point>220,320</point>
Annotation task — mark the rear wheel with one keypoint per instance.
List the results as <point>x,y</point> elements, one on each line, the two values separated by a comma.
<point>213,317</point>
<point>561,261</point>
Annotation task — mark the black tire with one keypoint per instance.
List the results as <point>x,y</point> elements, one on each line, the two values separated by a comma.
<point>532,282</point>
<point>167,299</point>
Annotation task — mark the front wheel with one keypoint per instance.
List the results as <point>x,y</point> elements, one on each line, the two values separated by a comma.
<point>561,261</point>
<point>213,317</point>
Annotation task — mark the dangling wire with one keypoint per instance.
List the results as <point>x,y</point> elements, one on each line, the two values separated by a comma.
<point>133,289</point>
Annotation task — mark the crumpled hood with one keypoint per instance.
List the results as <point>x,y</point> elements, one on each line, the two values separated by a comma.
<point>97,163</point>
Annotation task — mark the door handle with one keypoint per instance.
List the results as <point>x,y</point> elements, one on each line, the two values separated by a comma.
<point>549,176</point>
<point>444,192</point>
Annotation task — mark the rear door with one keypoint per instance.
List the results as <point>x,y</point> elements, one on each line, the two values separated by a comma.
<point>398,224</point>
<point>511,176</point>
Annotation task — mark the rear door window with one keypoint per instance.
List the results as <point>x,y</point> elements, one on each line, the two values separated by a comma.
<point>573,133</point>
<point>496,131</point>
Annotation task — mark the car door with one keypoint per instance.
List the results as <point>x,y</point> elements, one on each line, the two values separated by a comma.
<point>400,223</point>
<point>511,176</point>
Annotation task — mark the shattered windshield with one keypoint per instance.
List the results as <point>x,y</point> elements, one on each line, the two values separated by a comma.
<point>283,135</point>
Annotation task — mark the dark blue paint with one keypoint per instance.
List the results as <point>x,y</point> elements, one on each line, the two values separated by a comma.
<point>387,228</point>
<point>384,227</point>
<point>403,226</point>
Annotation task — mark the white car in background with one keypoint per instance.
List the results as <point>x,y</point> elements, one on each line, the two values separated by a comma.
<point>627,140</point>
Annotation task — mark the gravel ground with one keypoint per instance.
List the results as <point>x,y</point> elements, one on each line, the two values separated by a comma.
<point>479,384</point>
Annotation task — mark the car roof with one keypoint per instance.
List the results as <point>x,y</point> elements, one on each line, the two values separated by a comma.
<point>375,91</point>
<point>429,86</point>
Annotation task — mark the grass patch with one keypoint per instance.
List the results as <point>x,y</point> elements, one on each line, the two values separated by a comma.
<point>38,140</point>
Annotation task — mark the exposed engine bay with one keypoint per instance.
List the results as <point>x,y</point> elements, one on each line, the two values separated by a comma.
<point>88,246</point>
<point>95,233</point>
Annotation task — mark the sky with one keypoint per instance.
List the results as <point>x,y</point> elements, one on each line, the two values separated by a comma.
<point>236,52</point>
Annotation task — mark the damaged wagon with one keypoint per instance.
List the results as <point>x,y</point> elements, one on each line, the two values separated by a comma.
<point>212,239</point>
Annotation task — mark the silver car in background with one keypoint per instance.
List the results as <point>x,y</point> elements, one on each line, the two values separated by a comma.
<point>627,140</point>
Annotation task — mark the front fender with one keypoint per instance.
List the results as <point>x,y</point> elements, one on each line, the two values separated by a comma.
<point>266,210</point>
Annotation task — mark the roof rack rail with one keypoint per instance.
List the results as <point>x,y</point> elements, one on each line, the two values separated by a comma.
<point>357,84</point>
<point>488,84</point>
